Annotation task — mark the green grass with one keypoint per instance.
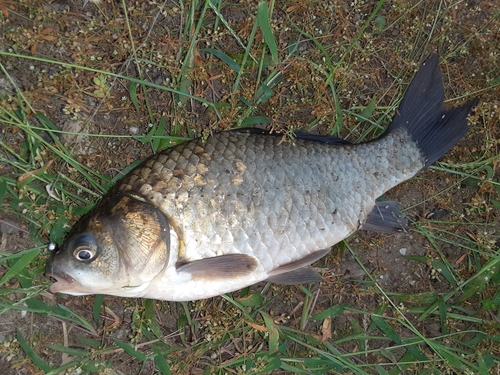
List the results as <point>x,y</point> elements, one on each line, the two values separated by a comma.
<point>340,70</point>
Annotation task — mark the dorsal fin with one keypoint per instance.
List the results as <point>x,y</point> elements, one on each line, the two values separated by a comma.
<point>299,134</point>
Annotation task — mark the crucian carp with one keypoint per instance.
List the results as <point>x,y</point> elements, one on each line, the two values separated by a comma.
<point>212,216</point>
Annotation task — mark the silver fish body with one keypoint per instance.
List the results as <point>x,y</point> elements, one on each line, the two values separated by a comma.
<point>209,217</point>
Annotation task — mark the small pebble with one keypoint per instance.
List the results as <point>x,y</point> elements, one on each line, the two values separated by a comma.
<point>402,251</point>
<point>133,130</point>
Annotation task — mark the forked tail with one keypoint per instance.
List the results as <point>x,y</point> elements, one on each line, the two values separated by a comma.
<point>422,113</point>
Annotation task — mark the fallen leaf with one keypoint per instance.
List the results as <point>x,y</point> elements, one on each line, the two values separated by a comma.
<point>326,329</point>
<point>257,327</point>
<point>47,30</point>
<point>29,174</point>
<point>48,38</point>
<point>5,11</point>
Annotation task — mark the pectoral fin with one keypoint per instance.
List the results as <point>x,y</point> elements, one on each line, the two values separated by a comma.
<point>386,218</point>
<point>295,273</point>
<point>220,267</point>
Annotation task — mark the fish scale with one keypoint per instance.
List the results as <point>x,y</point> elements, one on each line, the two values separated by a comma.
<point>226,211</point>
<point>303,187</point>
<point>214,215</point>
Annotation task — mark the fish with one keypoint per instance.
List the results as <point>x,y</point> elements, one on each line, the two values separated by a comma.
<point>215,215</point>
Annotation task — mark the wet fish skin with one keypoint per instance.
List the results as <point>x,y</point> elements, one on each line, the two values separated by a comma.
<point>209,217</point>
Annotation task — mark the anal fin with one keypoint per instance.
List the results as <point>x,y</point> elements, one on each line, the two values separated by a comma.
<point>299,276</point>
<point>386,218</point>
<point>220,267</point>
<point>294,272</point>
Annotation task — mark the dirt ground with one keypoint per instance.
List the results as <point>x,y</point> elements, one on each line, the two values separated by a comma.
<point>65,99</point>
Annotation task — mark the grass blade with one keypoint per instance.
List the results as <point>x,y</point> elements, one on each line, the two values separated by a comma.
<point>265,26</point>
<point>19,265</point>
<point>132,89</point>
<point>162,365</point>
<point>273,332</point>
<point>37,360</point>
<point>3,188</point>
<point>70,351</point>
<point>330,312</point>
<point>96,307</point>
<point>386,328</point>
<point>128,349</point>
<point>221,55</point>
<point>255,120</point>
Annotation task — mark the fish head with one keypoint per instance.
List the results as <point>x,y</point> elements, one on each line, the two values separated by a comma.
<point>118,249</point>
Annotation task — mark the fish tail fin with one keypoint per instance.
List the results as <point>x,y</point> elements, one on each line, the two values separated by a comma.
<point>423,114</point>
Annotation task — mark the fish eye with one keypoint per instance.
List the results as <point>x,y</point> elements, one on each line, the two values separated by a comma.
<point>83,254</point>
<point>85,247</point>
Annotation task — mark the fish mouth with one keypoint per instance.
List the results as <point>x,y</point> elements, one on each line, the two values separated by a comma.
<point>64,283</point>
